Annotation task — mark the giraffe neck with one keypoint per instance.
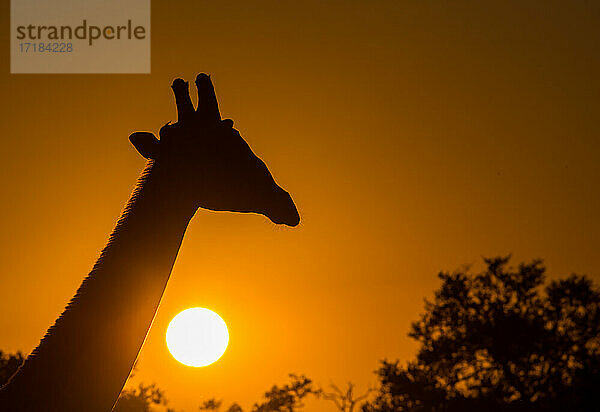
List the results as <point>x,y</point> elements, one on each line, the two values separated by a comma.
<point>85,358</point>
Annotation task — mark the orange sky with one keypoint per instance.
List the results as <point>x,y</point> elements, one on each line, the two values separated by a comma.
<point>414,138</point>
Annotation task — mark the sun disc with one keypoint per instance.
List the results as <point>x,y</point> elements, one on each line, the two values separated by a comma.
<point>197,337</point>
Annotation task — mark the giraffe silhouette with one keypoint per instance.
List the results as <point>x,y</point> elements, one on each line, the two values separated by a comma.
<point>201,161</point>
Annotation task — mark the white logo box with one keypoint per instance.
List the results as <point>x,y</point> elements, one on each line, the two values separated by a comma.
<point>75,36</point>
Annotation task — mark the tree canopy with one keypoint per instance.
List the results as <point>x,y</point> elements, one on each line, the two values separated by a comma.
<point>500,340</point>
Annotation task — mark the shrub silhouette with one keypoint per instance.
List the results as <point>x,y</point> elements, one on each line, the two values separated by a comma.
<point>285,398</point>
<point>140,399</point>
<point>9,363</point>
<point>500,340</point>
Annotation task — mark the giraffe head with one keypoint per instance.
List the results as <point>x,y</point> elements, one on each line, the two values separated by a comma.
<point>210,163</point>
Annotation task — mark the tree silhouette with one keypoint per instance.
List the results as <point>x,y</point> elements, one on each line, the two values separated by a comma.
<point>234,408</point>
<point>211,405</point>
<point>214,405</point>
<point>499,341</point>
<point>344,400</point>
<point>288,398</point>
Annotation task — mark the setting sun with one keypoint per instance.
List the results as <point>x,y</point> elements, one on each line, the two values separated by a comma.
<point>197,337</point>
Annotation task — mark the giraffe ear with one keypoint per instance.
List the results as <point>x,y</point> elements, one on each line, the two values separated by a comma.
<point>145,143</point>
